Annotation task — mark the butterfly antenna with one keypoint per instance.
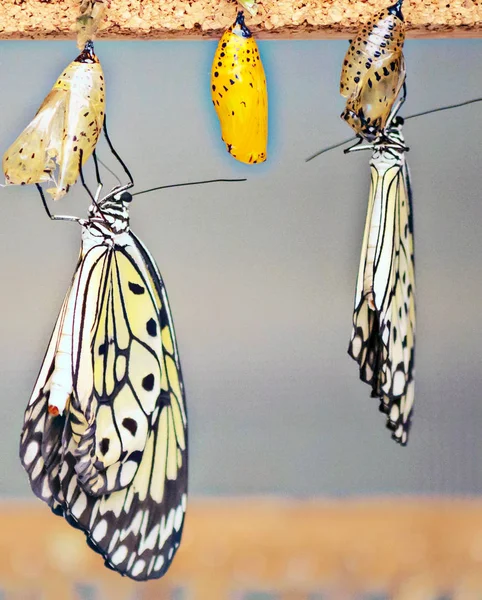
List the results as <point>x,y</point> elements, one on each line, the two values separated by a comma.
<point>414,116</point>
<point>174,185</point>
<point>396,109</point>
<point>442,108</point>
<point>97,172</point>
<point>320,152</point>
<point>114,152</point>
<point>109,170</point>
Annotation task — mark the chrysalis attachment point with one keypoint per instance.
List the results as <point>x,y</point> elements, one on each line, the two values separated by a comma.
<point>88,22</point>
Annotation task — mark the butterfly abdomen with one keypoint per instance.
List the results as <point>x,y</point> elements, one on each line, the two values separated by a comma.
<point>61,380</point>
<point>239,94</point>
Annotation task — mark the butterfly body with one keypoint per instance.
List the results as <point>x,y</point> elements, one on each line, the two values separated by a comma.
<point>383,335</point>
<point>373,72</point>
<point>106,446</point>
<point>65,130</point>
<point>239,94</point>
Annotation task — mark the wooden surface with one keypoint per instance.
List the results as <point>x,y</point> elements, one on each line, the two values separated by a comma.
<point>153,19</point>
<point>404,549</point>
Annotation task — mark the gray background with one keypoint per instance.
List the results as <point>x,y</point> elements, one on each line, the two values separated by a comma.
<point>261,275</point>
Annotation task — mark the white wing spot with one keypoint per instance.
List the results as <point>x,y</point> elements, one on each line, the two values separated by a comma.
<point>120,367</point>
<point>184,502</point>
<point>394,413</point>
<point>79,506</point>
<point>119,555</point>
<point>35,412</point>
<point>138,567</point>
<point>398,383</point>
<point>356,346</point>
<point>46,493</point>
<point>134,526</point>
<point>113,541</point>
<point>131,561</point>
<point>64,470</point>
<point>159,563</point>
<point>178,518</point>
<point>30,452</point>
<point>71,489</point>
<point>127,473</point>
<point>149,543</point>
<point>166,529</point>
<point>38,468</point>
<point>100,530</point>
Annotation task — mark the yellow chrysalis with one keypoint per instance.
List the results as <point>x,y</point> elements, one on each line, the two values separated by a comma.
<point>373,72</point>
<point>65,130</point>
<point>239,94</point>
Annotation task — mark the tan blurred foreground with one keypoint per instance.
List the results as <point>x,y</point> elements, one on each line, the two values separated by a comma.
<point>410,549</point>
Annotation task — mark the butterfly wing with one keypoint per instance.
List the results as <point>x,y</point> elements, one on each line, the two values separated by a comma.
<point>65,128</point>
<point>120,470</point>
<point>239,94</point>
<point>383,336</point>
<point>42,433</point>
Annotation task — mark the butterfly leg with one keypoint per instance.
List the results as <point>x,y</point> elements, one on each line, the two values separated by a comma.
<point>114,152</point>
<point>86,187</point>
<point>82,178</point>
<point>358,145</point>
<point>97,172</point>
<point>47,210</point>
<point>397,106</point>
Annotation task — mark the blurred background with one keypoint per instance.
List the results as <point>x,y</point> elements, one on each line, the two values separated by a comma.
<point>297,491</point>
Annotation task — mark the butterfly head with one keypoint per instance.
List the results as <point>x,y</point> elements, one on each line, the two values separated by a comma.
<point>111,213</point>
<point>391,144</point>
<point>393,133</point>
<point>124,197</point>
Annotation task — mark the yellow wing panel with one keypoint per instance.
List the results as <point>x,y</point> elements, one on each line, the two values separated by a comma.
<point>239,94</point>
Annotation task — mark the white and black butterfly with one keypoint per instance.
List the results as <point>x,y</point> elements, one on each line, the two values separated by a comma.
<point>104,440</point>
<point>383,335</point>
